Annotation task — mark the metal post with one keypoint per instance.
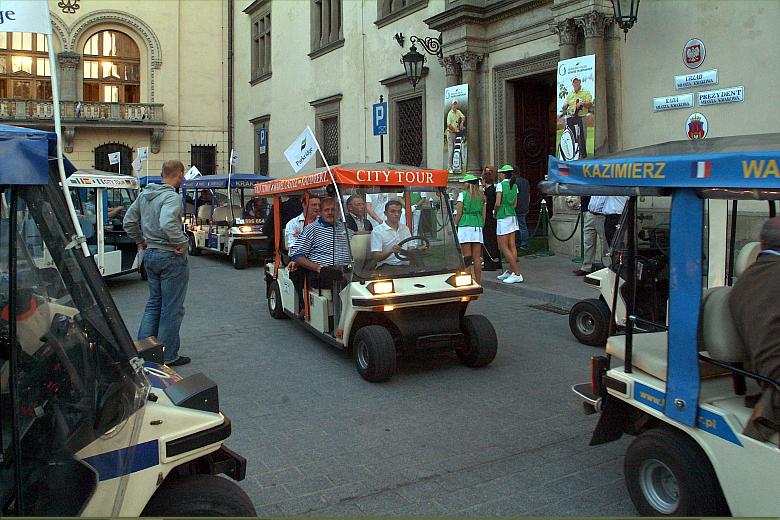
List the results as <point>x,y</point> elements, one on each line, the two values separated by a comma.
<point>381,137</point>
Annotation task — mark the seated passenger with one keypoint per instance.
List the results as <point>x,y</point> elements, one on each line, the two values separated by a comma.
<point>386,237</point>
<point>295,226</point>
<point>257,207</point>
<point>203,199</point>
<point>356,215</point>
<point>321,243</point>
<point>754,307</point>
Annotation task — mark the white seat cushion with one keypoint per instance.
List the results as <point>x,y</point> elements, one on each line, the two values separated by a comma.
<point>204,212</point>
<point>746,257</point>
<point>223,214</point>
<point>649,354</point>
<point>360,245</point>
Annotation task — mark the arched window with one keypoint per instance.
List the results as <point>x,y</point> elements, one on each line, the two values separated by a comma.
<point>125,158</point>
<point>24,66</point>
<point>112,68</point>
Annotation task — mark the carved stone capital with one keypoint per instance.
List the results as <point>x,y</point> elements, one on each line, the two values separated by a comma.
<point>611,30</point>
<point>68,134</point>
<point>566,31</point>
<point>469,61</point>
<point>450,65</point>
<point>593,24</point>
<point>69,60</point>
<point>157,135</point>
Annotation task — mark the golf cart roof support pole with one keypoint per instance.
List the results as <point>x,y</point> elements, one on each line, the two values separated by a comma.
<point>16,432</point>
<point>277,238</point>
<point>408,206</point>
<point>685,292</point>
<point>630,234</point>
<point>101,229</point>
<point>732,245</point>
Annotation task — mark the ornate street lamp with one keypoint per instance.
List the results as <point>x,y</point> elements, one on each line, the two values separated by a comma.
<point>626,13</point>
<point>413,61</point>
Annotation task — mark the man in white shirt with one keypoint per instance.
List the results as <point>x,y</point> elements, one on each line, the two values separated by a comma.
<point>613,209</point>
<point>386,237</point>
<point>296,225</point>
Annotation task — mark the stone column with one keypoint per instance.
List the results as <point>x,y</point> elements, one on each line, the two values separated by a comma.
<point>614,86</point>
<point>469,62</point>
<point>68,63</point>
<point>593,24</point>
<point>451,70</point>
<point>567,38</point>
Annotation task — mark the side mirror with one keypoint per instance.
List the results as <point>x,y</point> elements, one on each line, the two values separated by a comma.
<point>468,260</point>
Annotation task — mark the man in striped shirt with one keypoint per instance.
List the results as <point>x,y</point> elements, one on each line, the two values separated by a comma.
<point>321,243</point>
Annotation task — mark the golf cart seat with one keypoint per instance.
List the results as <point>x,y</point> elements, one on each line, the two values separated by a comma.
<point>204,212</point>
<point>746,257</point>
<point>360,246</point>
<point>223,213</point>
<point>718,335</point>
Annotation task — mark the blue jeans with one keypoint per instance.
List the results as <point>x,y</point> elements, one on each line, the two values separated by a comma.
<point>167,274</point>
<point>521,238</point>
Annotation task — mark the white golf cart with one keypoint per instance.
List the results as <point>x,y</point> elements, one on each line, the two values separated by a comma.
<point>680,386</point>
<point>219,216</point>
<point>381,313</point>
<point>101,200</point>
<point>91,424</point>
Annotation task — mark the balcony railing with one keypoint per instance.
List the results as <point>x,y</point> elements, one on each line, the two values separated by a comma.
<point>32,110</point>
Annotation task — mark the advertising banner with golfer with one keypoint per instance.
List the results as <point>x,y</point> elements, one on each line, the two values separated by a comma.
<point>456,101</point>
<point>576,129</point>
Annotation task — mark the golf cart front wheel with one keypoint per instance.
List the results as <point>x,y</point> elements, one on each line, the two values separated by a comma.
<point>589,322</point>
<point>375,355</point>
<point>480,341</point>
<point>239,256</point>
<point>199,495</point>
<point>275,308</point>
<point>667,474</point>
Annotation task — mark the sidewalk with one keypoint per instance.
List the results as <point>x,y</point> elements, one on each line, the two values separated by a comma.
<point>547,278</point>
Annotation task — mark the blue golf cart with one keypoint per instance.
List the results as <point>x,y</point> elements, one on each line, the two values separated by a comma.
<point>222,215</point>
<point>679,385</point>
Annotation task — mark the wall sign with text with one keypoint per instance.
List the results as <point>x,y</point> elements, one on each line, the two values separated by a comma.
<point>672,102</point>
<point>725,95</point>
<point>697,79</point>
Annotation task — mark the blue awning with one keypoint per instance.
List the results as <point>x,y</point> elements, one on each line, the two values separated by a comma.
<point>25,154</point>
<point>748,161</point>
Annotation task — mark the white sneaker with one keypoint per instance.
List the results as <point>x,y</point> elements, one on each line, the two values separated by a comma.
<point>504,275</point>
<point>513,278</point>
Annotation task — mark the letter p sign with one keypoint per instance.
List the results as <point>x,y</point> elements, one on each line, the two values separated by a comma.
<point>379,111</point>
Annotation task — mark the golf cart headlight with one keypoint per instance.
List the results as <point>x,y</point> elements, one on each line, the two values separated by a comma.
<point>460,280</point>
<point>245,229</point>
<point>385,287</point>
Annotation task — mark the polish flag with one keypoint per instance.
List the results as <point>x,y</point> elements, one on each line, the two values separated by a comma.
<point>563,169</point>
<point>702,170</point>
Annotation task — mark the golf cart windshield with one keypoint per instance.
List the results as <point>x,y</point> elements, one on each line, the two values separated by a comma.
<point>65,375</point>
<point>412,231</point>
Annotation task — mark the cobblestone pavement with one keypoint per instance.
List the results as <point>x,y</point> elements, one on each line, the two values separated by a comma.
<point>438,439</point>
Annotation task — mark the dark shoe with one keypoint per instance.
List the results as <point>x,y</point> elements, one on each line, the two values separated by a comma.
<point>179,361</point>
<point>581,272</point>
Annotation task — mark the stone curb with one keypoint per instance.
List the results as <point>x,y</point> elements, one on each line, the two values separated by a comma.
<point>559,300</point>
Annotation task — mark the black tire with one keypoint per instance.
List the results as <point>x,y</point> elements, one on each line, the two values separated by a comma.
<point>375,354</point>
<point>275,308</point>
<point>239,256</point>
<point>142,270</point>
<point>668,474</point>
<point>194,250</point>
<point>199,495</point>
<point>480,345</point>
<point>589,322</point>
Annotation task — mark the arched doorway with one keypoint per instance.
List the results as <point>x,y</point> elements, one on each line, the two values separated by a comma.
<point>125,158</point>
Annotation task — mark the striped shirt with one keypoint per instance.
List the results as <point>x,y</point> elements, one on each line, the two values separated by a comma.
<point>316,243</point>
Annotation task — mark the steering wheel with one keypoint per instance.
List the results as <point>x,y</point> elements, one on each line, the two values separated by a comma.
<point>403,254</point>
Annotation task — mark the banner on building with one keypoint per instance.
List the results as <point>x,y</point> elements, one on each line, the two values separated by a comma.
<point>25,16</point>
<point>576,130</point>
<point>456,106</point>
<point>143,153</point>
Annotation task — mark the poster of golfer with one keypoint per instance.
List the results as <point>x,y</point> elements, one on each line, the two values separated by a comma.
<point>576,108</point>
<point>456,101</point>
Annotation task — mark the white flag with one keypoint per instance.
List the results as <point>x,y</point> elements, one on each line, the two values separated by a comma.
<point>143,153</point>
<point>25,16</point>
<point>233,157</point>
<point>192,173</point>
<point>137,166</point>
<point>302,150</point>
<point>113,158</point>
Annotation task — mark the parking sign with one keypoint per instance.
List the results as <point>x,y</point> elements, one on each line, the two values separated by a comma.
<point>263,140</point>
<point>379,111</point>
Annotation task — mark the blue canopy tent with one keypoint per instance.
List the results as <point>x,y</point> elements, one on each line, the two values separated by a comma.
<point>740,167</point>
<point>237,180</point>
<point>25,155</point>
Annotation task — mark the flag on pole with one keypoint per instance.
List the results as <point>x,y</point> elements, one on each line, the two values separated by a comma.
<point>233,157</point>
<point>114,158</point>
<point>143,153</point>
<point>302,150</point>
<point>192,173</point>
<point>137,166</point>
<point>25,16</point>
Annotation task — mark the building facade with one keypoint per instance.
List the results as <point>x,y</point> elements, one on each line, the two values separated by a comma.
<point>324,62</point>
<point>134,74</point>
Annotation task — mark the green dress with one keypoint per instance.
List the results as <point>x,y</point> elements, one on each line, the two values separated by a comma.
<point>471,215</point>
<point>508,200</point>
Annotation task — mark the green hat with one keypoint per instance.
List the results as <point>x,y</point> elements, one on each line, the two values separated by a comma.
<point>506,168</point>
<point>469,178</point>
